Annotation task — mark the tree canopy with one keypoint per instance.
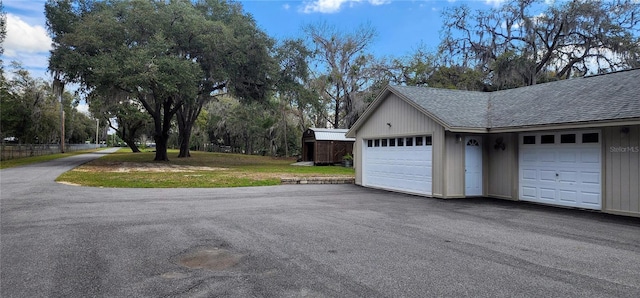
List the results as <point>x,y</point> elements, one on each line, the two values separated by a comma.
<point>169,56</point>
<point>204,67</point>
<point>524,41</point>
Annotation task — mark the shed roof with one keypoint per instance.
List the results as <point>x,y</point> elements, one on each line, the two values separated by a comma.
<point>607,97</point>
<point>329,134</point>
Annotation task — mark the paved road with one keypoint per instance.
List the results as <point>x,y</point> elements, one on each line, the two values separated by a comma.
<point>299,241</point>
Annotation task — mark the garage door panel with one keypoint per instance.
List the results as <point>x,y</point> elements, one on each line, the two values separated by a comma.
<point>405,169</point>
<point>565,174</point>
<point>590,198</point>
<point>546,156</point>
<point>548,194</point>
<point>529,174</point>
<point>568,177</point>
<point>592,178</point>
<point>567,157</point>
<point>547,175</point>
<point>590,156</point>
<point>529,192</point>
<point>529,156</point>
<point>568,195</point>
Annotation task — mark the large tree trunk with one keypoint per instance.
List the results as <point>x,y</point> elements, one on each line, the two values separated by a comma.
<point>161,148</point>
<point>187,115</point>
<point>336,116</point>
<point>184,138</point>
<point>127,135</point>
<point>129,139</point>
<point>162,125</point>
<point>132,145</point>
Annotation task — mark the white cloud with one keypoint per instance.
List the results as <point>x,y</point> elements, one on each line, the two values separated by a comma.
<point>513,26</point>
<point>495,2</point>
<point>286,6</point>
<point>23,38</point>
<point>83,107</point>
<point>333,6</point>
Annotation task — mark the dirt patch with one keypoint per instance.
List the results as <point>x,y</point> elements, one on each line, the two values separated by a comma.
<point>211,259</point>
<point>126,167</point>
<point>69,183</point>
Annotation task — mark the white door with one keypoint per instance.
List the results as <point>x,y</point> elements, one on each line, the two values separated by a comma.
<point>473,166</point>
<point>400,164</point>
<point>561,168</point>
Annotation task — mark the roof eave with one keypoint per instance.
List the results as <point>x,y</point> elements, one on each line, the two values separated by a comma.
<point>468,129</point>
<point>572,125</point>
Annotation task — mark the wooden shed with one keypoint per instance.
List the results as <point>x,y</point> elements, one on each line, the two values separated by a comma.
<point>326,146</point>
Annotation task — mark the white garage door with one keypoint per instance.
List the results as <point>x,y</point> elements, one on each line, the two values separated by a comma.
<point>562,168</point>
<point>401,164</point>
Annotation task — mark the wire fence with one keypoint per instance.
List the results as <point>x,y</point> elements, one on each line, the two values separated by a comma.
<point>12,151</point>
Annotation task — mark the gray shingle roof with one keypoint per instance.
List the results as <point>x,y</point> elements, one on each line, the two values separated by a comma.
<point>455,107</point>
<point>613,96</point>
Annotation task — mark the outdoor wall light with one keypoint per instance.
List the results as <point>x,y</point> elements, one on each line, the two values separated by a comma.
<point>499,144</point>
<point>458,138</point>
<point>388,124</point>
<point>624,131</point>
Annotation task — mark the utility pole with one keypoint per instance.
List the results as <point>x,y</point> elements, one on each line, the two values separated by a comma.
<point>58,87</point>
<point>61,127</point>
<point>97,130</point>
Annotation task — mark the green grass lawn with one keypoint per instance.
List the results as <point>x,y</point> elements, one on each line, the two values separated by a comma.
<point>202,169</point>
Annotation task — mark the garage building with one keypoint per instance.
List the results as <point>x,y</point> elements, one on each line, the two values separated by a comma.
<point>573,143</point>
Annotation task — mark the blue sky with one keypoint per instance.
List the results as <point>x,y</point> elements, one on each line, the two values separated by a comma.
<point>402,26</point>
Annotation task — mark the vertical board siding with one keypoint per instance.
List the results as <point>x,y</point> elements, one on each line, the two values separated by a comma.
<point>454,166</point>
<point>324,152</point>
<point>405,120</point>
<point>622,170</point>
<point>357,159</point>
<point>502,166</point>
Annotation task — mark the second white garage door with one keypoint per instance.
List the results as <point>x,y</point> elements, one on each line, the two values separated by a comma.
<point>561,168</point>
<point>400,164</point>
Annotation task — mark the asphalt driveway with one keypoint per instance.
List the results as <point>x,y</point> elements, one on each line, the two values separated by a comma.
<point>299,241</point>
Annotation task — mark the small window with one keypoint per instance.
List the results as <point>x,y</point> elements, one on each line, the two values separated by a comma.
<point>392,142</point>
<point>409,142</point>
<point>473,142</point>
<point>400,142</point>
<point>384,142</point>
<point>547,139</point>
<point>369,143</point>
<point>590,137</point>
<point>568,138</point>
<point>527,140</point>
<point>419,141</point>
<point>376,143</point>
<point>427,140</point>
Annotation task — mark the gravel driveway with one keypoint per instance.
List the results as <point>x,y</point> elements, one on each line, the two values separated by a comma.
<point>299,241</point>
